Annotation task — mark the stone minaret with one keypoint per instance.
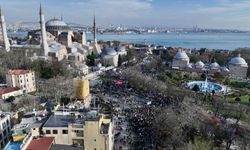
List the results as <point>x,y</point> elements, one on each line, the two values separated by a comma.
<point>96,47</point>
<point>44,44</point>
<point>4,32</point>
<point>94,31</point>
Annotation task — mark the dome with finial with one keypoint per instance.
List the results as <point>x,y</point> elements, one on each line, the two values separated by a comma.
<point>199,64</point>
<point>181,55</point>
<point>214,65</point>
<point>55,22</point>
<point>109,51</point>
<point>238,61</point>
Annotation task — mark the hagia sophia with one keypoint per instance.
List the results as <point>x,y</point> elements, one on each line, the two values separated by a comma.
<point>56,40</point>
<point>236,67</point>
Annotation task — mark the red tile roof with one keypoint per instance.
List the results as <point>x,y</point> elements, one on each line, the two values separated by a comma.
<point>43,143</point>
<point>8,90</point>
<point>18,72</point>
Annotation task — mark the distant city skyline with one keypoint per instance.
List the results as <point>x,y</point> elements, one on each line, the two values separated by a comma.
<point>223,14</point>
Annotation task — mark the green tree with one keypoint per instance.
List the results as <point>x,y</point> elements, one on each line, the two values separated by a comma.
<point>194,58</point>
<point>10,99</point>
<point>91,59</point>
<point>237,99</point>
<point>202,50</point>
<point>202,144</point>
<point>65,100</point>
<point>196,88</point>
<point>169,56</point>
<point>119,61</point>
<point>203,76</point>
<point>219,76</point>
<point>213,92</point>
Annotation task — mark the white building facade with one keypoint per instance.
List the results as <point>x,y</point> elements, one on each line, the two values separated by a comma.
<point>238,67</point>
<point>23,79</point>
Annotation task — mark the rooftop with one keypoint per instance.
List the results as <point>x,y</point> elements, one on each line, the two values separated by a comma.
<point>55,22</point>
<point>65,147</point>
<point>55,47</point>
<point>62,121</point>
<point>181,55</point>
<point>43,143</point>
<point>8,90</point>
<point>18,72</point>
<point>109,51</point>
<point>238,61</point>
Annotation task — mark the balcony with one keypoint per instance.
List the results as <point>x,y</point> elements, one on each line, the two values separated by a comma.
<point>77,134</point>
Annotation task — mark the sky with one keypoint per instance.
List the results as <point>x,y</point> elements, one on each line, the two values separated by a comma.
<point>219,14</point>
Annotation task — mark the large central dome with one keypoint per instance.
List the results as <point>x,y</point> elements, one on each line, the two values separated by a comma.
<point>56,25</point>
<point>55,22</point>
<point>109,51</point>
<point>238,61</point>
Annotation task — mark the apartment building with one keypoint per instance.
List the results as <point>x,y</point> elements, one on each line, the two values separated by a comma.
<point>5,127</point>
<point>23,79</point>
<point>91,131</point>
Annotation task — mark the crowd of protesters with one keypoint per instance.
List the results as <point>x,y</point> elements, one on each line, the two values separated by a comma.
<point>138,107</point>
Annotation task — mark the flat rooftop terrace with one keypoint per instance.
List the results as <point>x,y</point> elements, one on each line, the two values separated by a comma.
<point>62,121</point>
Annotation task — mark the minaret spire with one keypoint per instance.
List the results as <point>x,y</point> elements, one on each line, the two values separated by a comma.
<point>0,11</point>
<point>94,30</point>
<point>4,31</point>
<point>44,44</point>
<point>40,10</point>
<point>96,47</point>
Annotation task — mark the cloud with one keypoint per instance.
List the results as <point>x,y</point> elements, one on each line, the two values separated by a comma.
<point>224,7</point>
<point>107,11</point>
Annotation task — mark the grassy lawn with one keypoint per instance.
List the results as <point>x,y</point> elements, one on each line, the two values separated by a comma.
<point>230,113</point>
<point>244,99</point>
<point>239,84</point>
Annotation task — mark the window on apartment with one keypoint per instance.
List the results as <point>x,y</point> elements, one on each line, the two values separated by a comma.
<point>64,131</point>
<point>6,140</point>
<point>76,131</point>
<point>54,131</point>
<point>47,131</point>
<point>4,133</point>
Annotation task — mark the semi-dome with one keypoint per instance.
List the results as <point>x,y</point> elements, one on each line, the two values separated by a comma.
<point>121,49</point>
<point>55,22</point>
<point>109,51</point>
<point>199,64</point>
<point>214,65</point>
<point>181,55</point>
<point>238,61</point>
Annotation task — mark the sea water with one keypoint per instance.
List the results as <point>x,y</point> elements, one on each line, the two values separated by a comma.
<point>227,41</point>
